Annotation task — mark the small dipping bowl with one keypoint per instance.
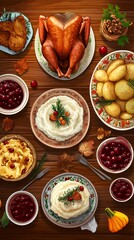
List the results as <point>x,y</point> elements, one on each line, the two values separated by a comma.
<point>21,208</point>
<point>121,189</point>
<point>115,155</point>
<point>14,94</point>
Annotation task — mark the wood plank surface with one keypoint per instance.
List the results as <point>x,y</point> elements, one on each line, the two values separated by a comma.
<point>42,228</point>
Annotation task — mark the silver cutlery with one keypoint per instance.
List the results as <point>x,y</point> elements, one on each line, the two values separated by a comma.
<point>38,176</point>
<point>83,161</point>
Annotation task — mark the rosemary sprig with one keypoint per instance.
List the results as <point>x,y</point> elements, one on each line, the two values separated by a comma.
<point>68,194</point>
<point>39,166</point>
<point>104,102</point>
<point>61,113</point>
<point>131,83</point>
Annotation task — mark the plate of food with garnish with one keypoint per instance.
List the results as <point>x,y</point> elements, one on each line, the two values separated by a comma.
<point>15,32</point>
<point>69,200</point>
<point>58,39</point>
<point>60,118</point>
<point>112,90</point>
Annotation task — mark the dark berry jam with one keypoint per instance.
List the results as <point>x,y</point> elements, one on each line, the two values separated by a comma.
<point>115,155</point>
<point>11,94</point>
<point>121,189</point>
<point>22,208</point>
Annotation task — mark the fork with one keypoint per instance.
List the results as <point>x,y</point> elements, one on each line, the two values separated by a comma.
<point>38,176</point>
<point>83,161</point>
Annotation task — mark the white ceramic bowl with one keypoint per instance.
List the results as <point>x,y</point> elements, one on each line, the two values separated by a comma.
<point>121,189</point>
<point>17,200</point>
<point>106,163</point>
<point>25,90</point>
<point>114,123</point>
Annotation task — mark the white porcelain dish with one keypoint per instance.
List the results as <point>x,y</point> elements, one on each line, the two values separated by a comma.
<point>25,90</point>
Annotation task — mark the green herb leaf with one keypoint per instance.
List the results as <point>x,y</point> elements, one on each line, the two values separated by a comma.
<point>61,113</point>
<point>104,102</point>
<point>39,166</point>
<point>131,83</point>
<point>122,40</point>
<point>115,10</point>
<point>4,221</point>
<point>68,194</point>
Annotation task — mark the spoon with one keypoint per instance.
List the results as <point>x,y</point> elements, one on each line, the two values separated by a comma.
<point>38,176</point>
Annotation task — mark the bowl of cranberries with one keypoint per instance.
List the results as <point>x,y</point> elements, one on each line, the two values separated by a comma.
<point>121,189</point>
<point>14,94</point>
<point>21,208</point>
<point>115,155</point>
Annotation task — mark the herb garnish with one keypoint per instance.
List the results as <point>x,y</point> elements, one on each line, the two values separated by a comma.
<point>39,166</point>
<point>4,221</point>
<point>115,10</point>
<point>67,197</point>
<point>104,102</point>
<point>60,116</point>
<point>131,83</point>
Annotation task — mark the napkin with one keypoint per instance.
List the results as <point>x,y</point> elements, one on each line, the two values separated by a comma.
<point>91,225</point>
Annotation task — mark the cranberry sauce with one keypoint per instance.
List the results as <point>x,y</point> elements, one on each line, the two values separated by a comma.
<point>11,94</point>
<point>22,208</point>
<point>115,155</point>
<point>121,189</point>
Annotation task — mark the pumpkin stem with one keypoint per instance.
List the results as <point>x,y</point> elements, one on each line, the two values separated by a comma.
<point>109,212</point>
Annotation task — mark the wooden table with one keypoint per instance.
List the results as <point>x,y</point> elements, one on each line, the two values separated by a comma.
<point>42,228</point>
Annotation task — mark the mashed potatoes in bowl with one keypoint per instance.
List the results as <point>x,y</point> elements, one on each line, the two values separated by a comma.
<point>69,200</point>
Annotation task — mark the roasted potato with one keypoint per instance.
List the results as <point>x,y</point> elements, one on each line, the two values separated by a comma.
<point>113,109</point>
<point>122,104</point>
<point>118,73</point>
<point>126,116</point>
<point>99,89</point>
<point>108,91</point>
<point>130,106</point>
<point>130,71</point>
<point>123,90</point>
<point>114,65</point>
<point>101,76</point>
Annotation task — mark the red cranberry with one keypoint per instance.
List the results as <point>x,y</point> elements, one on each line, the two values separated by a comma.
<point>34,84</point>
<point>70,199</point>
<point>103,50</point>
<point>12,165</point>
<point>55,113</point>
<point>11,150</point>
<point>81,188</point>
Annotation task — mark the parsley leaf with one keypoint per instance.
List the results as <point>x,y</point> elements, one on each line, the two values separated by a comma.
<point>4,221</point>
<point>122,40</point>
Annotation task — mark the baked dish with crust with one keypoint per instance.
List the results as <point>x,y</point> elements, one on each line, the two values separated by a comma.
<point>17,157</point>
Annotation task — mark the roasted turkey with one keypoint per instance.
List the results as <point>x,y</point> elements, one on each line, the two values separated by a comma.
<point>64,37</point>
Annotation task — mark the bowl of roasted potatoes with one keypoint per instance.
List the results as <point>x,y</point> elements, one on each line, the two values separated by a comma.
<point>112,90</point>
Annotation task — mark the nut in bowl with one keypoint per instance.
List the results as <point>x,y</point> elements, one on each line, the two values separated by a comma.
<point>121,189</point>
<point>21,208</point>
<point>18,157</point>
<point>115,155</point>
<point>112,90</point>
<point>14,94</point>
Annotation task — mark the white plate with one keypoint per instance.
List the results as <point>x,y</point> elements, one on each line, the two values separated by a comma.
<point>72,222</point>
<point>87,58</point>
<point>10,16</point>
<point>114,123</point>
